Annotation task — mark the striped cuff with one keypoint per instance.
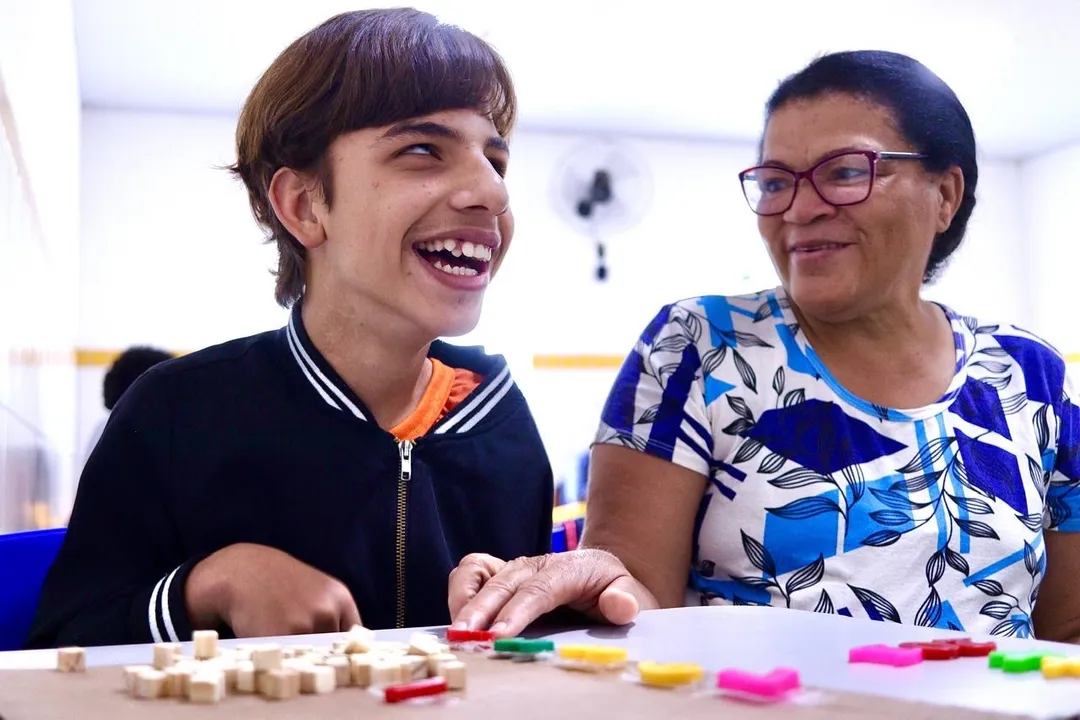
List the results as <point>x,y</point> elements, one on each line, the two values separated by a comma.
<point>162,628</point>
<point>162,617</point>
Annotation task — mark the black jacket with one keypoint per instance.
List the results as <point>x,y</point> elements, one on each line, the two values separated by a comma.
<point>258,440</point>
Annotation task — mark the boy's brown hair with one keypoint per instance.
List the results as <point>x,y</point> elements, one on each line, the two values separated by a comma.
<point>357,70</point>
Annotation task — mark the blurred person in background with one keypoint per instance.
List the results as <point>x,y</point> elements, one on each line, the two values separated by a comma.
<point>124,371</point>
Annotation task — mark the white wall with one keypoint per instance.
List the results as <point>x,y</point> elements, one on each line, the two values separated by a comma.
<point>1051,193</point>
<point>171,256</point>
<point>39,244</point>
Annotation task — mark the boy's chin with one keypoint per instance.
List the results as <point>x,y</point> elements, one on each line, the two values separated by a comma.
<point>452,327</point>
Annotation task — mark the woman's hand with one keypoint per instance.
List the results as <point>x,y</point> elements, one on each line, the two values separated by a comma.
<point>486,592</point>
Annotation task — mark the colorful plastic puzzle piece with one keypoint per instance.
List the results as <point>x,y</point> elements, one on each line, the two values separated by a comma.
<point>669,674</point>
<point>1019,662</point>
<point>464,636</point>
<point>935,650</point>
<point>971,648</point>
<point>417,689</point>
<point>951,648</point>
<point>592,657</point>
<point>522,648</point>
<point>773,685</point>
<point>1022,663</point>
<point>1059,667</point>
<point>885,655</point>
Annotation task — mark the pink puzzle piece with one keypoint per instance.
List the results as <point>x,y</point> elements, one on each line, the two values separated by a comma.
<point>885,655</point>
<point>772,685</point>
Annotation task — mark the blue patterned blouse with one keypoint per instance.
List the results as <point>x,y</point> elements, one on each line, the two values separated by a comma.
<point>818,500</point>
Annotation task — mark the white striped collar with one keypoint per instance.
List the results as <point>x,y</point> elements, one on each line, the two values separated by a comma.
<point>334,393</point>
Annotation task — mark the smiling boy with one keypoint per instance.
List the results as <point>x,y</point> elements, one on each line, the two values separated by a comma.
<point>333,471</point>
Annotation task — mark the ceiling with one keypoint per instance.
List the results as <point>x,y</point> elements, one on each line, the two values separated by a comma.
<point>681,68</point>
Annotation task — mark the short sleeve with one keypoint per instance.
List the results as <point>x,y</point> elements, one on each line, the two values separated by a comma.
<point>657,403</point>
<point>1063,491</point>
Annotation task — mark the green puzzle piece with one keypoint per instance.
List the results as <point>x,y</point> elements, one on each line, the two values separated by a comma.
<point>521,645</point>
<point>1018,662</point>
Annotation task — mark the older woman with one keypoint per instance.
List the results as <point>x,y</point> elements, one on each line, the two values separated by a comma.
<point>837,444</point>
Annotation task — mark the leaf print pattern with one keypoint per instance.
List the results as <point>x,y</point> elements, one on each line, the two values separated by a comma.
<point>932,516</point>
<point>802,579</point>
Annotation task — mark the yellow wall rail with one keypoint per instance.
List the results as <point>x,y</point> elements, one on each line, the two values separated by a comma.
<point>87,357</point>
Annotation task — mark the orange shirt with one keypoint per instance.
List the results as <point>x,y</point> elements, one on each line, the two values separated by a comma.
<point>446,390</point>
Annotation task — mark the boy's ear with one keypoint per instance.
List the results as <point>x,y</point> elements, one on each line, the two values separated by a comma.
<point>295,197</point>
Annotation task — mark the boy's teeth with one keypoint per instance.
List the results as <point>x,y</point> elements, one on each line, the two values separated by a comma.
<point>459,248</point>
<point>455,269</point>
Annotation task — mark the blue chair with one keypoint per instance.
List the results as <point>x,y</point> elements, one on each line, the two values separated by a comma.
<point>25,559</point>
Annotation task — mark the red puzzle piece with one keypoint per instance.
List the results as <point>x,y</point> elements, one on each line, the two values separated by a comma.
<point>935,651</point>
<point>951,648</point>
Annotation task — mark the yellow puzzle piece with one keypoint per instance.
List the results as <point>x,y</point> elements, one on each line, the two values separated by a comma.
<point>600,655</point>
<point>1059,667</point>
<point>669,674</point>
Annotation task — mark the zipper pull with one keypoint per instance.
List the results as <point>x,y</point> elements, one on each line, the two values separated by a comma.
<point>405,448</point>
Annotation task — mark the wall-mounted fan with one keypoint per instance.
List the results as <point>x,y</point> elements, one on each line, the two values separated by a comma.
<point>599,188</point>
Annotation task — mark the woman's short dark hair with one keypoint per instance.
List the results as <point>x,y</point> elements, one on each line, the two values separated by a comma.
<point>361,69</point>
<point>926,111</point>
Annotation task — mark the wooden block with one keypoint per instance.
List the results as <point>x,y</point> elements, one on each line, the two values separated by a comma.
<point>424,644</point>
<point>232,675</point>
<point>342,670</point>
<point>267,657</point>
<point>434,661</point>
<point>207,687</point>
<point>71,659</point>
<point>387,672</point>
<point>455,674</point>
<point>205,644</point>
<point>313,658</point>
<point>150,684</point>
<point>294,682</point>
<point>245,676</point>
<point>359,640</point>
<point>414,667</point>
<point>360,669</point>
<point>231,655</point>
<point>389,647</point>
<point>280,684</point>
<point>178,681</point>
<point>165,655</point>
<point>131,676</point>
<point>317,680</point>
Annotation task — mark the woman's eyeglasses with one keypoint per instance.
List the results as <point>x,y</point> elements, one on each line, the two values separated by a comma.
<point>840,180</point>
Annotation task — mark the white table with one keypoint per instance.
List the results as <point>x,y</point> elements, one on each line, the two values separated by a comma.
<point>760,639</point>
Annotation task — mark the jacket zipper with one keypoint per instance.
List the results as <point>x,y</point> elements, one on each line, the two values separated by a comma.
<point>405,448</point>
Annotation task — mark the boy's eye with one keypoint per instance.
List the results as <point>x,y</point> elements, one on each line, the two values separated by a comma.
<point>419,149</point>
<point>499,165</point>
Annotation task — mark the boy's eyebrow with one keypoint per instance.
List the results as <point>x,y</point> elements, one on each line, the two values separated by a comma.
<point>434,129</point>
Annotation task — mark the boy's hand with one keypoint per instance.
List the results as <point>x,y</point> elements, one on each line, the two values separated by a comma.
<point>260,591</point>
